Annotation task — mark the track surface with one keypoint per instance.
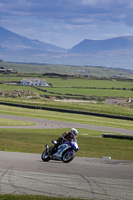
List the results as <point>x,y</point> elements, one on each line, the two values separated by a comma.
<point>82,178</point>
<point>41,124</point>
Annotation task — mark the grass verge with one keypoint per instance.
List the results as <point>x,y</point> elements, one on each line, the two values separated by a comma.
<point>123,109</point>
<point>68,117</point>
<point>32,197</point>
<point>91,143</point>
<point>11,122</point>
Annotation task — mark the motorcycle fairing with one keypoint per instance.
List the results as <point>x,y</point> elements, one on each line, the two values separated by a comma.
<point>61,149</point>
<point>74,145</point>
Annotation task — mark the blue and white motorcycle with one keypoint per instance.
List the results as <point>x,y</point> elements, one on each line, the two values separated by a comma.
<point>65,152</point>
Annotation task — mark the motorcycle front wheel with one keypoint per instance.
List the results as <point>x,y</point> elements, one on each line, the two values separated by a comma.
<point>68,156</point>
<point>45,157</point>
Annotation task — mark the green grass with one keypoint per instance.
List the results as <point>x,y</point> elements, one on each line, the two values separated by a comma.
<point>11,122</point>
<point>65,69</point>
<point>83,106</point>
<point>68,117</point>
<point>86,82</point>
<point>90,142</point>
<point>90,92</point>
<point>77,82</point>
<point>32,141</point>
<point>32,197</point>
<point>77,88</point>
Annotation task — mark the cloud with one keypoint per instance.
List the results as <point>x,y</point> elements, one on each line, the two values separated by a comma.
<point>71,11</point>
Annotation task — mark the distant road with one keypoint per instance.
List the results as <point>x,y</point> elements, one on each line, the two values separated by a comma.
<point>52,124</point>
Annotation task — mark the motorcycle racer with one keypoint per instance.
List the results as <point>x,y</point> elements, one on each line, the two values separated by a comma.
<point>67,136</point>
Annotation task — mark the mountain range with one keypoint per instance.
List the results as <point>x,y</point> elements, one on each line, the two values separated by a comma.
<point>95,46</point>
<point>114,52</point>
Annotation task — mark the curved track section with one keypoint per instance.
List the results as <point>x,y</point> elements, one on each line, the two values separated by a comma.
<point>82,178</point>
<point>50,124</point>
<point>22,173</point>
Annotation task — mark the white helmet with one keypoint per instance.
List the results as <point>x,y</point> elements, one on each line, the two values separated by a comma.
<point>74,132</point>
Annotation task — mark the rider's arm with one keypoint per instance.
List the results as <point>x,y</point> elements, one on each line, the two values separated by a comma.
<point>63,136</point>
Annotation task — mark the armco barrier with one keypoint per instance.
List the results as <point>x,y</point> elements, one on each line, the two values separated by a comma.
<point>107,135</point>
<point>68,111</point>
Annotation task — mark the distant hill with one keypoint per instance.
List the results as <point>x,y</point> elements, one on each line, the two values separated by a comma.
<point>115,52</point>
<point>11,42</point>
<point>95,46</point>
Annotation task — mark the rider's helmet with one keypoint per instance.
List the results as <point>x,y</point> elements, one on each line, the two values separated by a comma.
<point>74,132</point>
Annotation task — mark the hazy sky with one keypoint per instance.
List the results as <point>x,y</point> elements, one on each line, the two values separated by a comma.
<point>65,23</point>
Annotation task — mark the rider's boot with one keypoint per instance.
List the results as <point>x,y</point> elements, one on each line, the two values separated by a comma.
<point>53,149</point>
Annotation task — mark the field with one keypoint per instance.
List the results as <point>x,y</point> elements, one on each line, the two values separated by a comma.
<point>91,143</point>
<point>74,82</point>
<point>68,69</point>
<point>90,91</point>
<point>79,93</point>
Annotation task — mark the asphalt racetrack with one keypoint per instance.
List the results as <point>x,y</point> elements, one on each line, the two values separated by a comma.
<point>50,124</point>
<point>24,173</point>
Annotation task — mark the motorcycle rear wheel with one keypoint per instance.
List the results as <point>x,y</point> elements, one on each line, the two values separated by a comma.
<point>45,157</point>
<point>68,156</point>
